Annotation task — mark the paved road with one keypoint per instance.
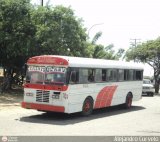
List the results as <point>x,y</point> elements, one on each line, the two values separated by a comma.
<point>142,119</point>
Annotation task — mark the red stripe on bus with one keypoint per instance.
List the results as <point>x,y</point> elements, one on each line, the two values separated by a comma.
<point>43,107</point>
<point>46,87</point>
<point>104,98</point>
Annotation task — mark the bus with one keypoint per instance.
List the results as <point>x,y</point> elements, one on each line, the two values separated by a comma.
<point>75,84</point>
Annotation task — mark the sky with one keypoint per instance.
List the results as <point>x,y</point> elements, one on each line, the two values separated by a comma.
<point>120,21</point>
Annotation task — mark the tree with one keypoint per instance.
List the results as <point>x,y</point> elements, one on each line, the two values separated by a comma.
<point>16,32</point>
<point>99,51</point>
<point>112,54</point>
<point>27,31</point>
<point>148,52</point>
<point>59,31</point>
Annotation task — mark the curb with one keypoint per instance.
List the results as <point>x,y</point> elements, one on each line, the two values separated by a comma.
<point>11,104</point>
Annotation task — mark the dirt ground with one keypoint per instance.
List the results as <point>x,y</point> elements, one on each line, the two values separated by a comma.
<point>11,98</point>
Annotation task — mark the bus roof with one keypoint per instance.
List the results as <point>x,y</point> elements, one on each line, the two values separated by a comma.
<point>86,62</point>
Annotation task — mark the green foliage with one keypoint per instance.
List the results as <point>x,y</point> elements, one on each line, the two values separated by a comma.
<point>96,37</point>
<point>112,54</point>
<point>58,31</point>
<point>99,51</point>
<point>16,31</point>
<point>148,52</point>
<point>27,30</point>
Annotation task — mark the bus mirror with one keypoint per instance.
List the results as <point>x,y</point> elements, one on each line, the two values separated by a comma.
<point>73,77</point>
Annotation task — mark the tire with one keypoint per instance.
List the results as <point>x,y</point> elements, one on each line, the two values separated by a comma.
<point>152,94</point>
<point>128,102</point>
<point>87,106</point>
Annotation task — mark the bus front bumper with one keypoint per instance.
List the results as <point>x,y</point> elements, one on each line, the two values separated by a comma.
<point>42,107</point>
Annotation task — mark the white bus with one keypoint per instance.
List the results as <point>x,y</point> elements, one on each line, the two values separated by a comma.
<point>74,84</point>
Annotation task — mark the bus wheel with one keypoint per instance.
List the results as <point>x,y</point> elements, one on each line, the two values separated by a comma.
<point>87,106</point>
<point>128,102</point>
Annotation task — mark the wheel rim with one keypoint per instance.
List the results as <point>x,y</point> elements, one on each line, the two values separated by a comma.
<point>87,106</point>
<point>129,101</point>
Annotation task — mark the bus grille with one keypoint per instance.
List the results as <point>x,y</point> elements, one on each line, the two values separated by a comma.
<point>42,96</point>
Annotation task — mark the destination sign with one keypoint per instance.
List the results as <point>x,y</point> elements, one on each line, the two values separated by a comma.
<point>47,69</point>
<point>55,69</point>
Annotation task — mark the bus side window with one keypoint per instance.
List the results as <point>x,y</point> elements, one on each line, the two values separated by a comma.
<point>91,75</point>
<point>126,75</point>
<point>131,74</point>
<point>83,76</point>
<point>98,75</point>
<point>112,74</point>
<point>139,75</point>
<point>74,76</point>
<point>104,75</point>
<point>121,75</point>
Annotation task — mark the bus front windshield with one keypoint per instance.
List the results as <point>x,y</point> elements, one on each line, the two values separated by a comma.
<point>55,78</point>
<point>46,75</point>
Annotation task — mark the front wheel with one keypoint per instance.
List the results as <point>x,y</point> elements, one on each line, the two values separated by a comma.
<point>87,106</point>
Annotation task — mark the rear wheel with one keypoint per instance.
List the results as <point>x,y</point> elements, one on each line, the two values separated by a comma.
<point>151,94</point>
<point>87,106</point>
<point>128,102</point>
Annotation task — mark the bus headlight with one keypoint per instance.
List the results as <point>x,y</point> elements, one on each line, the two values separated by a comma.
<point>29,94</point>
<point>56,95</point>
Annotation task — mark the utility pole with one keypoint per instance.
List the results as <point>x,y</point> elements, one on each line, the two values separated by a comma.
<point>135,42</point>
<point>41,2</point>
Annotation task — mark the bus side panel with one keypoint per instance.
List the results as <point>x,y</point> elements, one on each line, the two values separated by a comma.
<point>135,87</point>
<point>77,95</point>
<point>103,94</point>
